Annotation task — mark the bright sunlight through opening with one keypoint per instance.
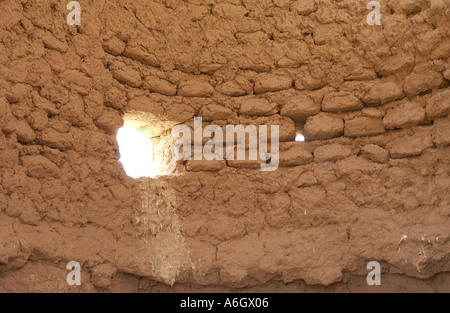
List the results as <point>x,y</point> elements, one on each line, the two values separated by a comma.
<point>136,153</point>
<point>299,138</point>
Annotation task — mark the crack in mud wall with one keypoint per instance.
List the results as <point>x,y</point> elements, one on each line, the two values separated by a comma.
<point>166,248</point>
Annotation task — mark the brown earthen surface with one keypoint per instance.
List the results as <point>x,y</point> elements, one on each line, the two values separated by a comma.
<point>371,182</point>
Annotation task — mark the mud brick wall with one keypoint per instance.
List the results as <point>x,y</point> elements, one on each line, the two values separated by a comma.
<point>370,183</point>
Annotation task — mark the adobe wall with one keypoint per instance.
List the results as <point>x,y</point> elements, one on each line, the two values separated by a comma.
<point>371,182</point>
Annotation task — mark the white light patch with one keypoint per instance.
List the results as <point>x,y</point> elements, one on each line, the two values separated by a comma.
<point>136,153</point>
<point>299,138</point>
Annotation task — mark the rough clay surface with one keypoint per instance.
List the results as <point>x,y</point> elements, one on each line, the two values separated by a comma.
<point>370,184</point>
